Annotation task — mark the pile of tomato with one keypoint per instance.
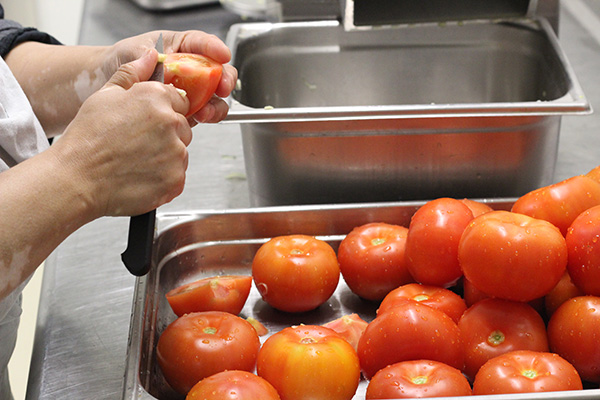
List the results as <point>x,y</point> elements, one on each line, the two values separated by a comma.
<point>470,300</point>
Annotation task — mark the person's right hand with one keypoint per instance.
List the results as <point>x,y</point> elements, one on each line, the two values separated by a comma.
<point>126,148</point>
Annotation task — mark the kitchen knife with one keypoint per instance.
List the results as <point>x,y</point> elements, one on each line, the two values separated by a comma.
<point>137,257</point>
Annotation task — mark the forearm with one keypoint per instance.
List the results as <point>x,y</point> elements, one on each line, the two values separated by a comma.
<point>57,79</point>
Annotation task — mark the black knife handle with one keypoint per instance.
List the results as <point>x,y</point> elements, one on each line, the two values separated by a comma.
<point>137,257</point>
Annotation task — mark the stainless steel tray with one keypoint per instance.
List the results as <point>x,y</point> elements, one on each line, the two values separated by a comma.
<point>194,244</point>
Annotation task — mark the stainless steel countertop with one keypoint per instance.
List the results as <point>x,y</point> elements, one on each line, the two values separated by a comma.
<point>83,323</point>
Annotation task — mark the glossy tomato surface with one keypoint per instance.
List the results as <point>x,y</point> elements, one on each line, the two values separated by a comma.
<point>409,331</point>
<point>512,256</point>
<point>434,296</point>
<point>492,327</point>
<point>295,273</point>
<point>432,242</point>
<point>526,371</point>
<point>201,344</point>
<point>594,174</point>
<point>350,327</point>
<point>477,207</point>
<point>309,362</point>
<point>564,290</point>
<point>418,379</point>
<point>583,245</point>
<point>219,293</point>
<point>372,259</point>
<point>197,75</point>
<point>574,333</point>
<point>233,385</point>
<point>561,202</point>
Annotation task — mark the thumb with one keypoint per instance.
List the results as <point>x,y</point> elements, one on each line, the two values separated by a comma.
<point>139,70</point>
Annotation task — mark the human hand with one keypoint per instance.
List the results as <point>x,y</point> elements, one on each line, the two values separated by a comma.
<point>126,148</point>
<point>183,42</point>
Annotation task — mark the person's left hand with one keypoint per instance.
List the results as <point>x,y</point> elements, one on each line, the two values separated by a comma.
<point>197,42</point>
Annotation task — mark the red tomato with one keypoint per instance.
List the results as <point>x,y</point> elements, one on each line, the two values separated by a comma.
<point>409,331</point>
<point>594,174</point>
<point>512,256</point>
<point>471,294</point>
<point>219,293</point>
<point>201,344</point>
<point>233,385</point>
<point>432,241</point>
<point>295,273</point>
<point>309,362</point>
<point>492,327</point>
<point>434,296</point>
<point>350,327</point>
<point>418,379</point>
<point>477,207</point>
<point>574,333</point>
<point>526,371</point>
<point>197,75</point>
<point>583,245</point>
<point>372,261</point>
<point>561,202</point>
<point>564,290</point>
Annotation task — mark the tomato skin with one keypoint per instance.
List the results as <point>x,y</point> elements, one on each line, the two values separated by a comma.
<point>434,296</point>
<point>417,379</point>
<point>583,245</point>
<point>295,273</point>
<point>432,242</point>
<point>594,174</point>
<point>573,332</point>
<point>477,207</point>
<point>372,260</point>
<point>561,202</point>
<point>526,371</point>
<point>219,293</point>
<point>564,290</point>
<point>201,344</point>
<point>409,331</point>
<point>512,256</point>
<point>492,327</point>
<point>196,74</point>
<point>233,385</point>
<point>350,327</point>
<point>309,362</point>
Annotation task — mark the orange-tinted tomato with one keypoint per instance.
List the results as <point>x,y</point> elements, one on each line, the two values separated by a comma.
<point>432,242</point>
<point>372,259</point>
<point>573,332</point>
<point>492,327</point>
<point>561,202</point>
<point>526,371</point>
<point>409,331</point>
<point>233,385</point>
<point>309,362</point>
<point>219,293</point>
<point>594,174</point>
<point>197,75</point>
<point>350,327</point>
<point>198,345</point>
<point>564,290</point>
<point>418,379</point>
<point>583,244</point>
<point>295,273</point>
<point>434,296</point>
<point>512,256</point>
<point>477,207</point>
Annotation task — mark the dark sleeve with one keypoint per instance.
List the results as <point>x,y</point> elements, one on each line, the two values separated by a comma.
<point>12,34</point>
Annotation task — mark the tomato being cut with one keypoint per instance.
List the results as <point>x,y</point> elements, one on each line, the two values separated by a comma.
<point>418,379</point>
<point>372,260</point>
<point>233,385</point>
<point>492,327</point>
<point>195,74</point>
<point>432,241</point>
<point>201,344</point>
<point>526,371</point>
<point>218,293</point>
<point>309,362</point>
<point>512,256</point>
<point>434,296</point>
<point>561,202</point>
<point>409,331</point>
<point>583,244</point>
<point>295,273</point>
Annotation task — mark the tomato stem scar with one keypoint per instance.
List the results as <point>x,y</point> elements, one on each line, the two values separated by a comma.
<point>496,338</point>
<point>211,330</point>
<point>419,380</point>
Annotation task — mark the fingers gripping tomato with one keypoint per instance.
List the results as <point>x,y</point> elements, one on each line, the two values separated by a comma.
<point>195,74</point>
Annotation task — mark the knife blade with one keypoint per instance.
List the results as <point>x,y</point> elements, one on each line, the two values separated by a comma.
<point>137,257</point>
